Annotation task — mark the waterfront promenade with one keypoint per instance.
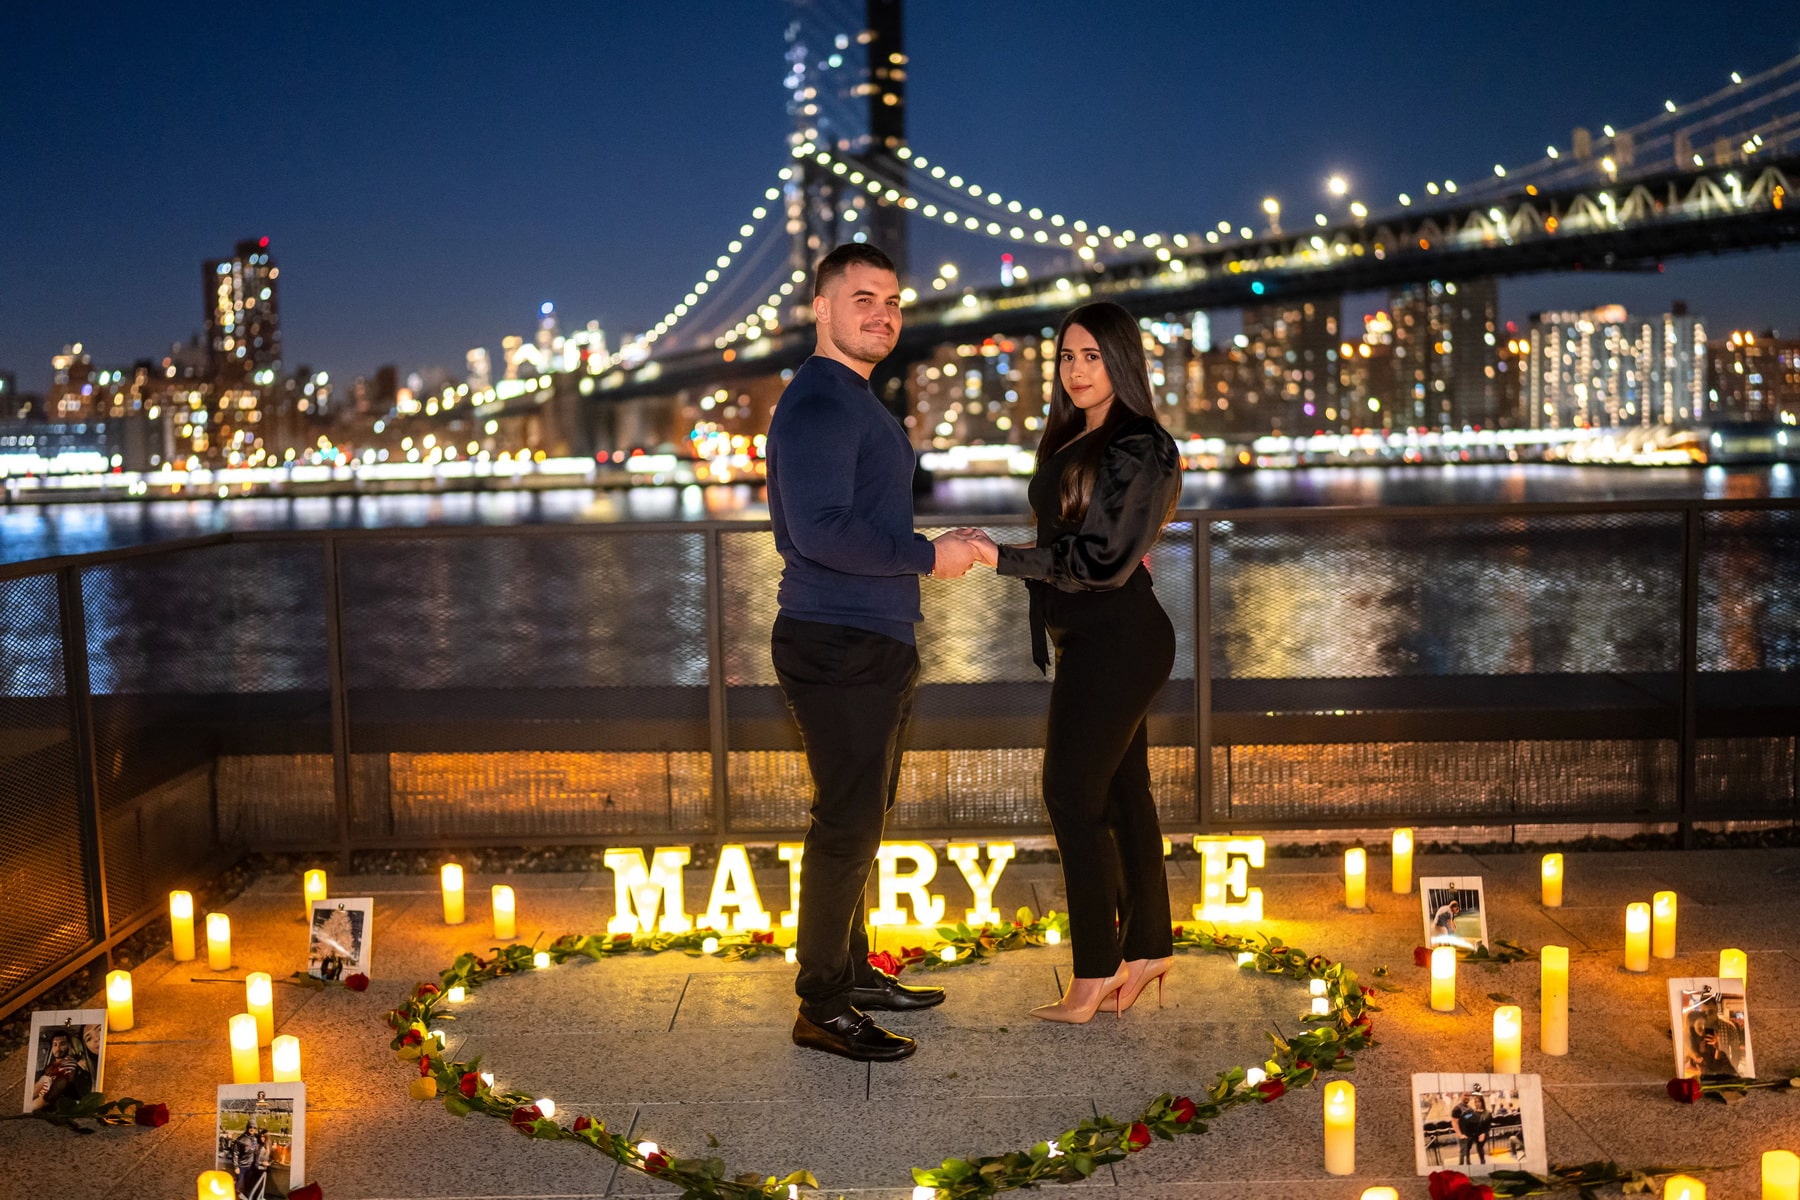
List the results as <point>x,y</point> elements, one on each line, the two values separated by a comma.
<point>681,1050</point>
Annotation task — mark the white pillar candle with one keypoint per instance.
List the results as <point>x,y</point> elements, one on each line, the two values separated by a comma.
<point>1403,854</point>
<point>1662,937</point>
<point>1684,1187</point>
<point>246,1060</point>
<point>1553,880</point>
<point>312,887</point>
<point>215,1185</point>
<point>1356,878</point>
<point>452,878</point>
<point>1509,1033</point>
<point>1443,978</point>
<point>181,926</point>
<point>1340,1128</point>
<point>218,941</point>
<point>505,910</point>
<point>1637,937</point>
<point>1780,1175</point>
<point>1734,964</point>
<point>259,1001</point>
<point>119,1016</point>
<point>284,1059</point>
<point>1553,971</point>
<point>1381,1193</point>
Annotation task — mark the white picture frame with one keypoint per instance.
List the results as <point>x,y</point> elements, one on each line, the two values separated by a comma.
<point>1709,1023</point>
<point>1509,1130</point>
<point>1460,900</point>
<point>340,936</point>
<point>66,1056</point>
<point>272,1163</point>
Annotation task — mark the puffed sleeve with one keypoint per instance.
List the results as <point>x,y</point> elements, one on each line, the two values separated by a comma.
<point>1138,481</point>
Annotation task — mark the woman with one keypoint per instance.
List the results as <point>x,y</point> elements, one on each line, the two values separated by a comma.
<point>1108,476</point>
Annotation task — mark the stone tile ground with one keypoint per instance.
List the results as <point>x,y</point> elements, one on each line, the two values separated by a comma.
<point>683,1050</point>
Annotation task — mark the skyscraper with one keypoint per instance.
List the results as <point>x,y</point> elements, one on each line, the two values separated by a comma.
<point>242,300</point>
<point>1603,368</point>
<point>1446,354</point>
<point>1293,350</point>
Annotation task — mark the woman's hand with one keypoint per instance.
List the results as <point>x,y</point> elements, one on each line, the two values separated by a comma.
<point>985,550</point>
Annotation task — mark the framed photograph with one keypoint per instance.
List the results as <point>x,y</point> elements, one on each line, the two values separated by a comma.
<point>68,1056</point>
<point>339,943</point>
<point>1710,1023</point>
<point>1478,1124</point>
<point>1455,911</point>
<point>261,1138</point>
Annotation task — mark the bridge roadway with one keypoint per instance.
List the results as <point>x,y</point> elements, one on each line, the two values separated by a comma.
<point>1630,225</point>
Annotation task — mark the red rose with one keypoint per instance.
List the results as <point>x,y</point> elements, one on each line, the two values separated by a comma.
<point>1182,1109</point>
<point>885,962</point>
<point>1271,1089</point>
<point>525,1116</point>
<point>1476,1191</point>
<point>1177,931</point>
<point>469,1084</point>
<point>767,937</point>
<point>621,937</point>
<point>424,990</point>
<point>583,1123</point>
<point>311,1191</point>
<point>412,1037</point>
<point>1303,1065</point>
<point>1137,1137</point>
<point>357,982</point>
<point>912,954</point>
<point>153,1115</point>
<point>655,1161</point>
<point>1685,1090</point>
<point>1444,1185</point>
<point>1421,956</point>
<point>424,1064</point>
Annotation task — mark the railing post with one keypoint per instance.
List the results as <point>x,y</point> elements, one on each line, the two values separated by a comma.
<point>1686,763</point>
<point>340,705</point>
<point>1203,767</point>
<point>78,687</point>
<point>717,715</point>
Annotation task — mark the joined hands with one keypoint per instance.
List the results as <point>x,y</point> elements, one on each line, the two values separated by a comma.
<point>961,549</point>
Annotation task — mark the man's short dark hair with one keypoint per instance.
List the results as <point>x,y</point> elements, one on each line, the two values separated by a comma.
<point>840,259</point>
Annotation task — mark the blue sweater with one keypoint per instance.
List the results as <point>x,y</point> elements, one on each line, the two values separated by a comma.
<point>840,495</point>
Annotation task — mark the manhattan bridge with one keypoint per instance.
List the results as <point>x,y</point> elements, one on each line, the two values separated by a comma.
<point>1703,176</point>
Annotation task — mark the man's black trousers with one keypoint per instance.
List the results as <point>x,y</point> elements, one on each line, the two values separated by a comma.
<point>851,693</point>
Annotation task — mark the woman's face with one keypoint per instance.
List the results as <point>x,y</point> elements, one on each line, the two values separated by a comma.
<point>1083,371</point>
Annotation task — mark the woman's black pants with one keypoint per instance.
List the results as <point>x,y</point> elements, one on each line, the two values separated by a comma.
<point>1114,652</point>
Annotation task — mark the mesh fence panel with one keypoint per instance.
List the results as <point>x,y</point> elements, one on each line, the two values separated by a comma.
<point>40,827</point>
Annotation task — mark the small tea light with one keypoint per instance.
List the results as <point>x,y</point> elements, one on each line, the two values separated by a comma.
<point>1509,1034</point>
<point>119,1016</point>
<point>541,959</point>
<point>1683,1187</point>
<point>458,993</point>
<point>284,1058</point>
<point>218,942</point>
<point>1733,964</point>
<point>451,878</point>
<point>948,954</point>
<point>646,1149</point>
<point>312,886</point>
<point>1321,1005</point>
<point>181,926</point>
<point>1403,861</point>
<point>246,1060</point>
<point>215,1185</point>
<point>1637,937</point>
<point>1245,958</point>
<point>1380,1193</point>
<point>505,910</point>
<point>440,1037</point>
<point>1254,1076</point>
<point>546,1106</point>
<point>487,1077</point>
<point>923,1191</point>
<point>1662,936</point>
<point>1053,936</point>
<point>259,1001</point>
<point>1443,978</point>
<point>1553,881</point>
<point>1780,1175</point>
<point>710,946</point>
<point>792,955</point>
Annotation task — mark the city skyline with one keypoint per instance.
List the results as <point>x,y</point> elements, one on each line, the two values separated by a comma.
<point>415,253</point>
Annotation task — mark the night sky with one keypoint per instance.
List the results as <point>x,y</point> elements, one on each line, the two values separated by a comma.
<point>429,175</point>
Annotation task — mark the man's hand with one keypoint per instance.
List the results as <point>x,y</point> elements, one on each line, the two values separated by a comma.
<point>986,552</point>
<point>956,553</point>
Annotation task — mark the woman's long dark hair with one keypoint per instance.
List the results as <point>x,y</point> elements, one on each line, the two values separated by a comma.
<point>1121,344</point>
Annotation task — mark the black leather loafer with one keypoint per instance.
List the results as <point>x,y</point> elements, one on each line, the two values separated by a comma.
<point>890,995</point>
<point>853,1035</point>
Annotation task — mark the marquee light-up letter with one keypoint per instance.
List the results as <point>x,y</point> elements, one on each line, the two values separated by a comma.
<point>966,856</point>
<point>735,887</point>
<point>791,853</point>
<point>640,890</point>
<point>891,884</point>
<point>1225,891</point>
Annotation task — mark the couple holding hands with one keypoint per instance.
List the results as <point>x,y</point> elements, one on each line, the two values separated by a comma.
<point>840,471</point>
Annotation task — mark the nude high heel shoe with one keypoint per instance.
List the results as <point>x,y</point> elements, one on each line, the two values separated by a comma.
<point>1139,973</point>
<point>1082,1013</point>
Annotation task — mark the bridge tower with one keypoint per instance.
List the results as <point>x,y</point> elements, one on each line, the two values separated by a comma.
<point>847,91</point>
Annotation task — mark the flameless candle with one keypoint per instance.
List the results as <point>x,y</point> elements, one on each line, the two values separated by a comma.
<point>1403,848</point>
<point>1662,941</point>
<point>246,1061</point>
<point>1733,964</point>
<point>791,955</point>
<point>1356,877</point>
<point>1780,1175</point>
<point>504,909</point>
<point>118,1001</point>
<point>181,926</point>
<point>452,879</point>
<point>1553,880</point>
<point>1553,1020</point>
<point>541,959</point>
<point>1053,936</point>
<point>259,1000</point>
<point>284,1058</point>
<point>218,941</point>
<point>1321,1006</point>
<point>1443,978</point>
<point>458,994</point>
<point>1637,937</point>
<point>547,1106</point>
<point>1381,1193</point>
<point>1340,1128</point>
<point>1684,1187</point>
<point>1509,1032</point>
<point>215,1185</point>
<point>313,884</point>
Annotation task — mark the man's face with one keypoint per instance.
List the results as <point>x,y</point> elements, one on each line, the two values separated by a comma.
<point>60,1046</point>
<point>860,312</point>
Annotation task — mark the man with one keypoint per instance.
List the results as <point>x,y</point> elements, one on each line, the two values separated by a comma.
<point>65,1075</point>
<point>840,472</point>
<point>1443,923</point>
<point>244,1150</point>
